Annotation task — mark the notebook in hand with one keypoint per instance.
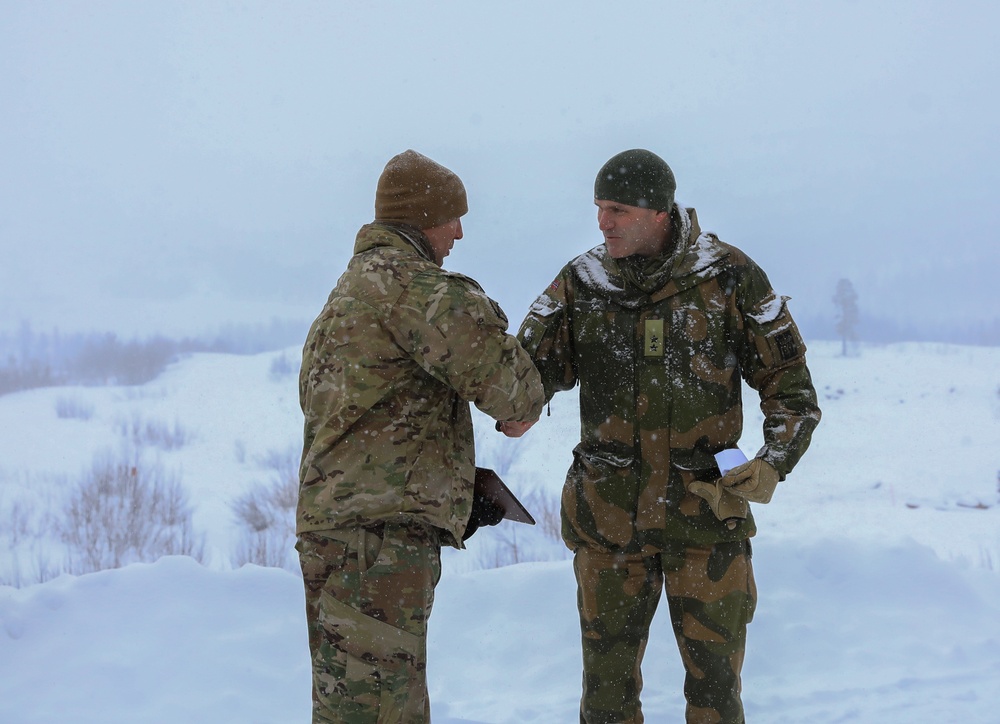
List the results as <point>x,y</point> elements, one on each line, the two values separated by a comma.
<point>489,485</point>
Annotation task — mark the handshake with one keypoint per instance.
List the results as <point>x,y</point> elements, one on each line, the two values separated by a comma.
<point>513,428</point>
<point>753,481</point>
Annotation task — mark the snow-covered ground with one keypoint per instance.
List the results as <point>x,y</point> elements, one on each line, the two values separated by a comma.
<point>877,562</point>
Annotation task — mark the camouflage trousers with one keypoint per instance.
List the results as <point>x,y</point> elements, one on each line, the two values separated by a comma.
<point>711,596</point>
<point>369,594</point>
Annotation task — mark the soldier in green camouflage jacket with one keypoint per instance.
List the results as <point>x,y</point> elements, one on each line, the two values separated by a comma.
<point>388,371</point>
<point>657,326</point>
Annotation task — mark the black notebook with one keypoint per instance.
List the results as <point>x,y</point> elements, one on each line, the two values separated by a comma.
<point>490,486</point>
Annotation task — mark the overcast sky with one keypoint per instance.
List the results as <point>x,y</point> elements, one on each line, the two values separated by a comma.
<point>173,166</point>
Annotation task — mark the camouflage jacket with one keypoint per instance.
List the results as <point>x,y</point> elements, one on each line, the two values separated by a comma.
<point>660,390</point>
<point>388,371</point>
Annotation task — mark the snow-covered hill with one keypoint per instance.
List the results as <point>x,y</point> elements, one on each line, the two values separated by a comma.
<point>878,561</point>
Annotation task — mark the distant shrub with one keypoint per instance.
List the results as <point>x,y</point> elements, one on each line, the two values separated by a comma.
<point>544,508</point>
<point>142,432</point>
<point>26,522</point>
<point>38,568</point>
<point>25,375</point>
<point>72,408</point>
<point>282,368</point>
<point>125,510</point>
<point>266,514</point>
<point>283,465</point>
<point>17,526</point>
<point>105,359</point>
<point>240,451</point>
<point>30,359</point>
<point>511,543</point>
<point>267,529</point>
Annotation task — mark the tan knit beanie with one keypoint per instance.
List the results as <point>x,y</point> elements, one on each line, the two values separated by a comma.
<point>415,190</point>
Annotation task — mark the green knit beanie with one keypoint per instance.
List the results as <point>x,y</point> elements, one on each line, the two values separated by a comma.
<point>637,178</point>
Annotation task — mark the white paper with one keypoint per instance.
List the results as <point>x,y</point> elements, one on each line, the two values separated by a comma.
<point>729,459</point>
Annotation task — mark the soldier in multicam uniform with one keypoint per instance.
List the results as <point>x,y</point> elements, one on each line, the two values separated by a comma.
<point>657,326</point>
<point>388,371</point>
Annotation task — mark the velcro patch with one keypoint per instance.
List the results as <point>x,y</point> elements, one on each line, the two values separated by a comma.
<point>544,306</point>
<point>654,338</point>
<point>788,348</point>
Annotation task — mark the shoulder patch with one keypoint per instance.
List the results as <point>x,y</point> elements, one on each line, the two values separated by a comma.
<point>544,306</point>
<point>788,348</point>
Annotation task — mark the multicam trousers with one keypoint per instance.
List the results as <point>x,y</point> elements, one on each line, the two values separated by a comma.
<point>711,596</point>
<point>369,594</point>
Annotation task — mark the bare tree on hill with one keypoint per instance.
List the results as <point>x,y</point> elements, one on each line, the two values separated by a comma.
<point>846,301</point>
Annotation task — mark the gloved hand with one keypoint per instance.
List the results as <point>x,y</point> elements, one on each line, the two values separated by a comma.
<point>754,480</point>
<point>725,505</point>
<point>484,512</point>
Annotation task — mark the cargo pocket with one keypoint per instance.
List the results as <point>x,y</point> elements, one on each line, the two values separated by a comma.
<point>691,467</point>
<point>600,499</point>
<point>364,638</point>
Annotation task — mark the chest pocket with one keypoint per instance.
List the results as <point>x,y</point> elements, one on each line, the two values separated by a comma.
<point>604,336</point>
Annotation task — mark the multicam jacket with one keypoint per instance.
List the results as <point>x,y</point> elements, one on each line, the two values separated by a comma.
<point>659,374</point>
<point>388,371</point>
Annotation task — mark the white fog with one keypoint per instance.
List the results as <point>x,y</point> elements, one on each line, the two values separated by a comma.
<point>173,167</point>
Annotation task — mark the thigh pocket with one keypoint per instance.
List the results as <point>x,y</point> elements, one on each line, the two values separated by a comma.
<point>363,637</point>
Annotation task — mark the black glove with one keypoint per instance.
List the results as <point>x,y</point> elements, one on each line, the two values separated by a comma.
<point>484,512</point>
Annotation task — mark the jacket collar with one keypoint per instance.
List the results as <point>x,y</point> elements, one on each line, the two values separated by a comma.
<point>693,259</point>
<point>397,236</point>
